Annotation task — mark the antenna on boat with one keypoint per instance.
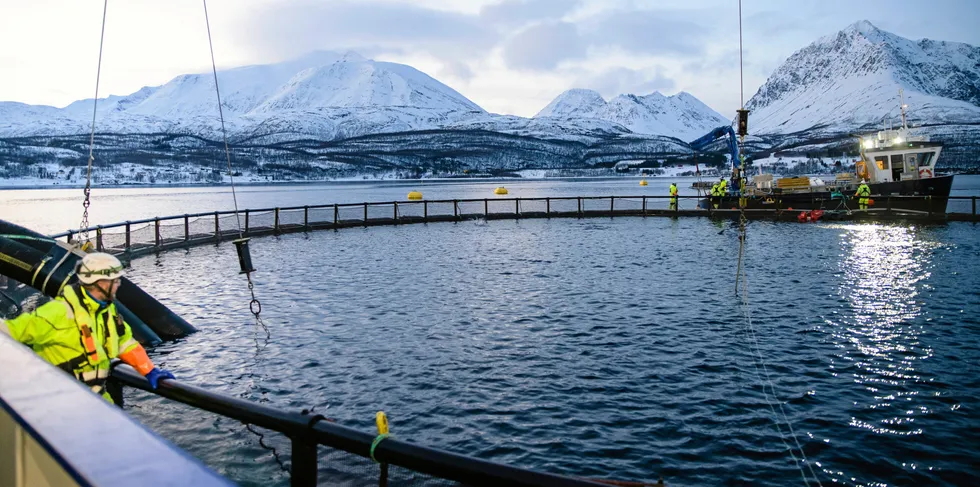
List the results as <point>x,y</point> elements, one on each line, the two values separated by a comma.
<point>901,97</point>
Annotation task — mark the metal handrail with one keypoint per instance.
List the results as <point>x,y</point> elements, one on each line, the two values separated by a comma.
<point>70,233</point>
<point>306,431</point>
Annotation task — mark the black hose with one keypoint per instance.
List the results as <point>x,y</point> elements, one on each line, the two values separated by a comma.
<point>159,320</point>
<point>49,272</point>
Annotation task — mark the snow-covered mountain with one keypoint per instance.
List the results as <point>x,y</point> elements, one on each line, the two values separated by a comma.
<point>323,95</point>
<point>331,96</point>
<point>681,115</point>
<point>850,81</point>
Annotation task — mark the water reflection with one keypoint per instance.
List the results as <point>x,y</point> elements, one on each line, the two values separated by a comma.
<point>879,338</point>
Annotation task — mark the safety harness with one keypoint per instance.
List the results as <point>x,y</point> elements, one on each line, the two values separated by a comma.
<point>95,379</point>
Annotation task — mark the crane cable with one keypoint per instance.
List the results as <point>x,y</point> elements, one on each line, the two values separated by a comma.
<point>741,277</point>
<point>254,306</point>
<point>83,226</point>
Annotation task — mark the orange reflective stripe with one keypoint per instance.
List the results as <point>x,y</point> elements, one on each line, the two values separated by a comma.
<point>88,341</point>
<point>137,359</point>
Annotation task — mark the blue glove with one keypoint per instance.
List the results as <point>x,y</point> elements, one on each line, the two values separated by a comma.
<point>156,374</point>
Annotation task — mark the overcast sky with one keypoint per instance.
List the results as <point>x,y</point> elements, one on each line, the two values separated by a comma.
<point>508,56</point>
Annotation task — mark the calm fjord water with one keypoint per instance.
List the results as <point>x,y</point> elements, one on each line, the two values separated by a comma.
<point>601,348</point>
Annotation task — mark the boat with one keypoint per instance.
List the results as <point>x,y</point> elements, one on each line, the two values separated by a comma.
<point>899,167</point>
<point>706,185</point>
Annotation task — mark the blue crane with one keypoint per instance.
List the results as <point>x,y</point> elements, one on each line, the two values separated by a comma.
<point>704,140</point>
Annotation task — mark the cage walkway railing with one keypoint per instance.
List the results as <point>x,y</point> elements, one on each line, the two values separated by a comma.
<point>162,233</point>
<point>306,432</point>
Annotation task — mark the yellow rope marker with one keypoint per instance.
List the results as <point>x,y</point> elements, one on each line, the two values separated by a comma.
<point>382,421</point>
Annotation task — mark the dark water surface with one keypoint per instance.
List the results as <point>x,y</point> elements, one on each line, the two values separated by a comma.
<point>603,348</point>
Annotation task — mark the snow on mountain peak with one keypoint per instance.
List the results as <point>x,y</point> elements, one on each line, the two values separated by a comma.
<point>576,102</point>
<point>681,115</point>
<point>850,80</point>
<point>862,27</point>
<point>323,94</point>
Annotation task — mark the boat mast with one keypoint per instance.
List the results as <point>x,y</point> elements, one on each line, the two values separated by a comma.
<point>901,96</point>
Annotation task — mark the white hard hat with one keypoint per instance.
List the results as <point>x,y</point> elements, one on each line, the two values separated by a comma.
<point>99,266</point>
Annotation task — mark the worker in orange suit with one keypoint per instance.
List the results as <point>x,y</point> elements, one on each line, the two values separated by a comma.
<point>80,331</point>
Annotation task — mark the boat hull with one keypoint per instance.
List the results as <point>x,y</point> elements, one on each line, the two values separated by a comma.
<point>925,195</point>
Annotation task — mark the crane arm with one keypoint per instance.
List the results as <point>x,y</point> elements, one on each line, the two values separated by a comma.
<point>706,139</point>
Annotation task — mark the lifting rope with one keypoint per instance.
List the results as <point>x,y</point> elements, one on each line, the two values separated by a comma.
<point>742,278</point>
<point>83,226</point>
<point>244,258</point>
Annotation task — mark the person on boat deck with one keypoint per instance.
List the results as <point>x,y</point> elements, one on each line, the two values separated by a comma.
<point>722,186</point>
<point>863,193</point>
<point>673,196</point>
<point>715,195</point>
<point>80,331</point>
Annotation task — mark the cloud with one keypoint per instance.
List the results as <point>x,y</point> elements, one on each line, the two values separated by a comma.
<point>291,29</point>
<point>618,81</point>
<point>518,13</point>
<point>543,46</point>
<point>456,69</point>
<point>649,32</point>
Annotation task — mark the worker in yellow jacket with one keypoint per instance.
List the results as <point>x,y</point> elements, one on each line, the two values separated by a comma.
<point>673,196</point>
<point>80,331</point>
<point>863,194</point>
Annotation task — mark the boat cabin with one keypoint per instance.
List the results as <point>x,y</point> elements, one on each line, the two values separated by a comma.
<point>896,156</point>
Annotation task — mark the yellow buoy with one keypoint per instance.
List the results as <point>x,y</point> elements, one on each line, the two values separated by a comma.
<point>643,182</point>
<point>500,190</point>
<point>414,195</point>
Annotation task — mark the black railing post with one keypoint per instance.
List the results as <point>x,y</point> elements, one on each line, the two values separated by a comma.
<point>70,234</point>
<point>98,238</point>
<point>217,228</point>
<point>612,204</point>
<point>187,228</point>
<point>974,207</point>
<point>303,471</point>
<point>517,206</point>
<point>275,224</point>
<point>486,207</point>
<point>547,207</point>
<point>128,237</point>
<point>394,210</point>
<point>579,206</point>
<point>456,209</point>
<point>246,221</point>
<point>336,215</point>
<point>644,206</point>
<point>365,214</point>
<point>156,231</point>
<point>306,218</point>
<point>425,211</point>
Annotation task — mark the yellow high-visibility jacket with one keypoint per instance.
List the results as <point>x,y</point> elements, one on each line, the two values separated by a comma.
<point>78,335</point>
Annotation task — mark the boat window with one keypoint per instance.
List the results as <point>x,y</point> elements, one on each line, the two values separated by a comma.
<point>882,162</point>
<point>925,158</point>
<point>898,166</point>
